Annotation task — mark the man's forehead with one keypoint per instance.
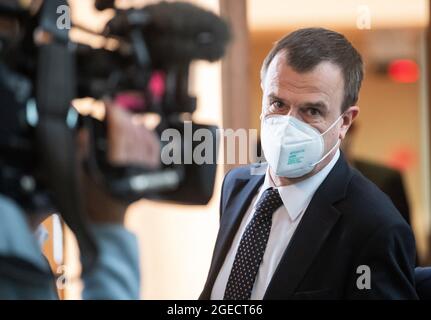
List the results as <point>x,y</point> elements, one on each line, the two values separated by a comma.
<point>325,77</point>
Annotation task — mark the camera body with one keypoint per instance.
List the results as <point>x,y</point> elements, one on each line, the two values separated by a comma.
<point>156,45</point>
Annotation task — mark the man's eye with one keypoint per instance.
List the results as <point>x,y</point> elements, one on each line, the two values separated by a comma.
<point>313,112</point>
<point>277,104</point>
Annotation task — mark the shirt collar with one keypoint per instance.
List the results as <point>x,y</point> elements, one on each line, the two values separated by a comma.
<point>297,196</point>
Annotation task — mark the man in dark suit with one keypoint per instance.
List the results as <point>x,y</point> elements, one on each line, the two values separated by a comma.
<point>308,226</point>
<point>389,180</point>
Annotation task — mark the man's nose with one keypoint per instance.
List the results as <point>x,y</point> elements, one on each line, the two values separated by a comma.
<point>294,113</point>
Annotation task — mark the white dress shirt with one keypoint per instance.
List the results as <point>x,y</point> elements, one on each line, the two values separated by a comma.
<point>296,198</point>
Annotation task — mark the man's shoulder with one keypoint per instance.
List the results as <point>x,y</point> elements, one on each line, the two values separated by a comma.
<point>383,176</point>
<point>366,166</point>
<point>246,172</point>
<point>368,206</point>
<point>236,178</point>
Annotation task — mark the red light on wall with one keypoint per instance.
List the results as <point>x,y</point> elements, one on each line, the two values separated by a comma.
<point>402,158</point>
<point>405,71</point>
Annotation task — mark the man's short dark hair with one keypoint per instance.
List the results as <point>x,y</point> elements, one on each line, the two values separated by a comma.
<point>306,48</point>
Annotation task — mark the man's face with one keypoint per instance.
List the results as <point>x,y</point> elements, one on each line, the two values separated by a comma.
<point>314,97</point>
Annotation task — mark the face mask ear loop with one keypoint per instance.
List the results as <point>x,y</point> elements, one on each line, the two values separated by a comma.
<point>332,125</point>
<point>328,153</point>
<point>333,148</point>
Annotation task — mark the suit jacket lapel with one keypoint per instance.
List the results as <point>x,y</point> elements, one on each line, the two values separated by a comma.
<point>237,205</point>
<point>314,228</point>
<point>312,231</point>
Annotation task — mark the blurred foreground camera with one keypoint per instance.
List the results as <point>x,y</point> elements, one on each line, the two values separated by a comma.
<point>42,71</point>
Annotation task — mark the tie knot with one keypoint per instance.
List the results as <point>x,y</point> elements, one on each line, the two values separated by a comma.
<point>269,202</point>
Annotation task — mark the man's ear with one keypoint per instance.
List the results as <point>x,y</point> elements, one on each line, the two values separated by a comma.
<point>348,117</point>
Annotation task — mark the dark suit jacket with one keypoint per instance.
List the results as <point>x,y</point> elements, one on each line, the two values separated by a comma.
<point>389,181</point>
<point>348,223</point>
<point>423,282</point>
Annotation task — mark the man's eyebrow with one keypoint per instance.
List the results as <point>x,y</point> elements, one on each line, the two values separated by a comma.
<point>318,105</point>
<point>322,106</point>
<point>273,96</point>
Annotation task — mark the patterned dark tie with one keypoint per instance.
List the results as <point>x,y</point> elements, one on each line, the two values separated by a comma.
<point>252,247</point>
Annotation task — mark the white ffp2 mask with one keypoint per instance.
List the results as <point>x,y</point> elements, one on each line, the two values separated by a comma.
<point>292,147</point>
